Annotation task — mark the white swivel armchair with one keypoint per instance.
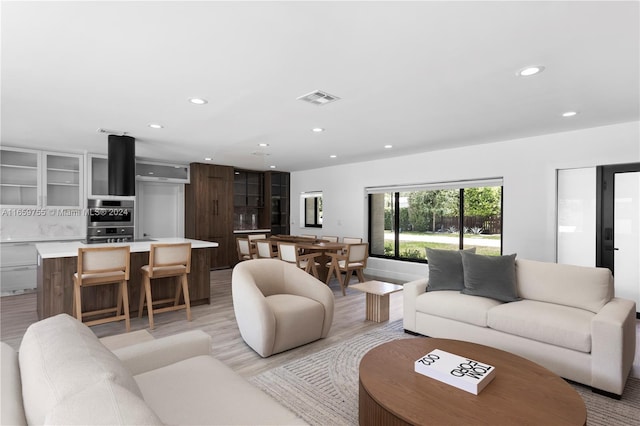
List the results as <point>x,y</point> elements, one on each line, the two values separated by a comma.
<point>278,306</point>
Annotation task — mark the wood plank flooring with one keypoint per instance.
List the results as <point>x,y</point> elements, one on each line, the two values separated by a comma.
<point>217,319</point>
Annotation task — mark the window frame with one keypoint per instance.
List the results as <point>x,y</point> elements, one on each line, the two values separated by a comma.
<point>460,186</point>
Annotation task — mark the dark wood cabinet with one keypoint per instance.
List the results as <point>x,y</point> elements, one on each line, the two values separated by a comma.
<point>277,201</point>
<point>209,210</point>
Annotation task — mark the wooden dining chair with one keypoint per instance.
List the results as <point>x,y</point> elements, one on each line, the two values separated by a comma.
<point>264,249</point>
<point>355,259</point>
<point>308,236</point>
<point>329,238</point>
<point>244,249</point>
<point>103,266</point>
<point>290,253</point>
<point>254,237</point>
<point>166,260</point>
<point>350,240</point>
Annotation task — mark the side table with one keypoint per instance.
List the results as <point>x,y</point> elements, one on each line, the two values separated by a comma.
<point>377,298</point>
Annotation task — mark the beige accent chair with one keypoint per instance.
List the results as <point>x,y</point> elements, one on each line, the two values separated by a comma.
<point>278,306</point>
<point>264,249</point>
<point>166,260</point>
<point>244,249</point>
<point>101,266</point>
<point>290,253</point>
<point>355,259</point>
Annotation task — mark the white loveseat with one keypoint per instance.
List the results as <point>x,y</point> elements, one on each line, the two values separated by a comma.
<point>64,375</point>
<point>567,320</point>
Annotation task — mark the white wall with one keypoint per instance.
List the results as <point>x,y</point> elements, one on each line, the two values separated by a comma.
<point>527,165</point>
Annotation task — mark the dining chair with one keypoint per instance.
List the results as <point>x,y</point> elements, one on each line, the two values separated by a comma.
<point>355,259</point>
<point>350,240</point>
<point>290,253</point>
<point>102,266</point>
<point>254,237</point>
<point>264,249</point>
<point>244,249</point>
<point>329,238</point>
<point>166,260</point>
<point>309,236</point>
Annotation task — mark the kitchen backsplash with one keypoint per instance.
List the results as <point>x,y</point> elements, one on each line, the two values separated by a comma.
<point>20,228</point>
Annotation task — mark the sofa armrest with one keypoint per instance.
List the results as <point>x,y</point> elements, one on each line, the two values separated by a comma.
<point>411,291</point>
<point>158,353</point>
<point>613,345</point>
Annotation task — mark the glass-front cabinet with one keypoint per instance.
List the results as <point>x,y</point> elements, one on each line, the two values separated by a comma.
<point>20,177</point>
<point>62,180</point>
<point>30,178</point>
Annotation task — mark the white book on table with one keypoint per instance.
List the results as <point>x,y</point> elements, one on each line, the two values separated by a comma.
<point>462,372</point>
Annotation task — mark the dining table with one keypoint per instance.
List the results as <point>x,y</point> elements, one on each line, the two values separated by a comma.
<point>313,245</point>
<point>324,248</point>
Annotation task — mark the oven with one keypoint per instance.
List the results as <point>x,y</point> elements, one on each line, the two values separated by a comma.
<point>110,212</point>
<point>110,221</point>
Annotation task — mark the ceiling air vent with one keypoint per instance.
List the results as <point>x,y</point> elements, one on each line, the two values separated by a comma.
<point>318,97</point>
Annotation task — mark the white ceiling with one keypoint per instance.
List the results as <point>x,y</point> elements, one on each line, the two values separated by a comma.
<point>418,75</point>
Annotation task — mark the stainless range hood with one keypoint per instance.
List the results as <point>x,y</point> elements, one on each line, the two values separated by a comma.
<point>122,165</point>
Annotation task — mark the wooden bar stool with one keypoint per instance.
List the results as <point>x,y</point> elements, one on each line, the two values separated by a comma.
<point>100,266</point>
<point>166,260</point>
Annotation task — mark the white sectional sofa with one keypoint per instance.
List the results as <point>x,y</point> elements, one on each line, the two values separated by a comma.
<point>64,375</point>
<point>567,320</point>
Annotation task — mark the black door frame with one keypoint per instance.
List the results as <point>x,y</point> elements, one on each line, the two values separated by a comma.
<point>605,191</point>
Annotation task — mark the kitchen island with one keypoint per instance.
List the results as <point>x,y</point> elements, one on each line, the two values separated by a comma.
<point>57,262</point>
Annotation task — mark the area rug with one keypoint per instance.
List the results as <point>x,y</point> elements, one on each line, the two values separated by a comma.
<point>322,388</point>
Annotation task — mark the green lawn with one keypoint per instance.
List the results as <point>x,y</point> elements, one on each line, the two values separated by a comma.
<point>415,249</point>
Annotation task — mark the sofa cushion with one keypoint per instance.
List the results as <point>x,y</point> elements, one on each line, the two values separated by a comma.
<point>577,286</point>
<point>490,276</point>
<point>299,320</point>
<point>60,356</point>
<point>199,389</point>
<point>11,408</point>
<point>456,306</point>
<point>445,269</point>
<point>102,403</point>
<point>545,322</point>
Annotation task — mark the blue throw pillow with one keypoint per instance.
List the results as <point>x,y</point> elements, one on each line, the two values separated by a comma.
<point>490,276</point>
<point>445,269</point>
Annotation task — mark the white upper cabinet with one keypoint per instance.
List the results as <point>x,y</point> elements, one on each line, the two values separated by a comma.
<point>32,178</point>
<point>20,177</point>
<point>97,176</point>
<point>62,179</point>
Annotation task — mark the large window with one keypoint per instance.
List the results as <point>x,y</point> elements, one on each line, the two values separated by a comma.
<point>404,221</point>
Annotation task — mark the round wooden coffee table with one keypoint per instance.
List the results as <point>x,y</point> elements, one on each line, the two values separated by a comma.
<point>522,392</point>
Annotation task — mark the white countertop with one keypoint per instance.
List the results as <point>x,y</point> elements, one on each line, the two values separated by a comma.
<point>252,231</point>
<point>70,249</point>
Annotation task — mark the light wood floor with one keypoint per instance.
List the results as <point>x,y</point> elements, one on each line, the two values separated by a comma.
<point>218,320</point>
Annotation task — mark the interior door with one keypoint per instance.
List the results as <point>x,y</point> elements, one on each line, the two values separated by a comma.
<point>159,210</point>
<point>626,235</point>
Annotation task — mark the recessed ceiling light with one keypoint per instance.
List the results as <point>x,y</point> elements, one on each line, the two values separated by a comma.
<point>155,126</point>
<point>317,129</point>
<point>198,101</point>
<point>388,146</point>
<point>263,144</point>
<point>272,167</point>
<point>570,114</point>
<point>207,158</point>
<point>150,173</point>
<point>332,156</point>
<point>529,71</point>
